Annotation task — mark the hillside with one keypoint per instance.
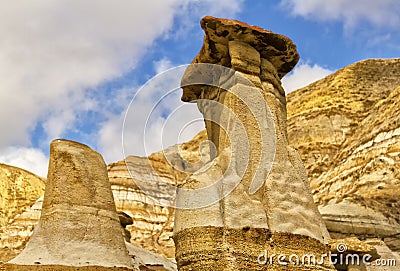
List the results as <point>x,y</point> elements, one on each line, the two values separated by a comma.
<point>19,189</point>
<point>347,130</point>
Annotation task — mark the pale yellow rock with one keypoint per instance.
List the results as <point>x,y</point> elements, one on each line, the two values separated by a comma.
<point>15,235</point>
<point>79,225</point>
<point>19,189</point>
<point>244,58</point>
<point>256,183</point>
<point>388,259</point>
<point>346,128</point>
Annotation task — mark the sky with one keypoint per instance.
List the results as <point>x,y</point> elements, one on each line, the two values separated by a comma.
<point>76,69</point>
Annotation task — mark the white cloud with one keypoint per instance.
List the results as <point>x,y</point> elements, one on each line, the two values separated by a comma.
<point>110,139</point>
<point>31,159</point>
<point>155,119</point>
<point>200,8</point>
<point>378,40</point>
<point>303,75</point>
<point>53,54</point>
<point>226,8</point>
<point>51,51</point>
<point>162,65</point>
<point>382,13</point>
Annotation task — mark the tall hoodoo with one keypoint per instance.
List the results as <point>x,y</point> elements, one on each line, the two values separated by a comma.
<point>79,225</point>
<point>253,197</point>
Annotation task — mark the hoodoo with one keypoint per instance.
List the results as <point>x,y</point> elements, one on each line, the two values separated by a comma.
<point>79,225</point>
<point>253,199</point>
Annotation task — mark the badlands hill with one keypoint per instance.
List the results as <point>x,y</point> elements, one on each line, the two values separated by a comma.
<point>19,189</point>
<point>346,128</point>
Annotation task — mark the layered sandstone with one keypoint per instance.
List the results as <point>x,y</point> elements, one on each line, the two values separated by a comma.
<point>15,235</point>
<point>79,225</point>
<point>151,226</point>
<point>19,189</point>
<point>347,130</point>
<point>253,195</point>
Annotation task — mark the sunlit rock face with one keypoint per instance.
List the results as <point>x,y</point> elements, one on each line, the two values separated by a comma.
<point>79,225</point>
<point>15,235</point>
<point>152,224</point>
<point>358,195</point>
<point>254,194</point>
<point>347,129</point>
<point>19,189</point>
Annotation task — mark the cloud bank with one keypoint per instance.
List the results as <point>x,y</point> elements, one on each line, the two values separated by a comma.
<point>54,54</point>
<point>382,13</point>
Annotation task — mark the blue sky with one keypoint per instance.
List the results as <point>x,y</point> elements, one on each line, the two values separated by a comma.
<point>70,69</point>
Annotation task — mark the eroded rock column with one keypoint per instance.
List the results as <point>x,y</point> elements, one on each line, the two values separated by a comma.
<point>79,226</point>
<point>260,202</point>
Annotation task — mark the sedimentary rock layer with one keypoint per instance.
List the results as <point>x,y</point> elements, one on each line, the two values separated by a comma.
<point>347,130</point>
<point>79,225</point>
<point>19,189</point>
<point>321,117</point>
<point>256,181</point>
<point>217,248</point>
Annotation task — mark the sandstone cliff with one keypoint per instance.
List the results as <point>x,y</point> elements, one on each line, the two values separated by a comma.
<point>346,128</point>
<point>19,189</point>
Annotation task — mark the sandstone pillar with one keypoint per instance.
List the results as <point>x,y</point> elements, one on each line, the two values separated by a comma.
<point>79,226</point>
<point>260,202</point>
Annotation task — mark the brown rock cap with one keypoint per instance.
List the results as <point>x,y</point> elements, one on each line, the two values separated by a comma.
<point>221,38</point>
<point>278,49</point>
